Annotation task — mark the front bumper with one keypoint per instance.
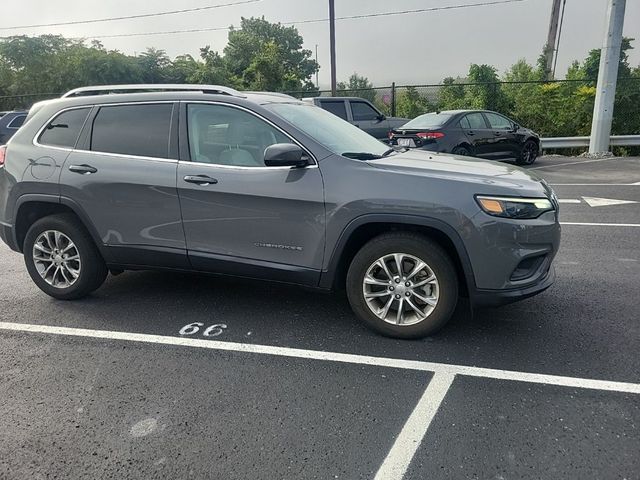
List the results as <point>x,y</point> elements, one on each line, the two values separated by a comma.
<point>495,298</point>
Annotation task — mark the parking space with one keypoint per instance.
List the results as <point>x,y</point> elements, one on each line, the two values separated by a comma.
<point>356,406</point>
<point>85,408</point>
<point>494,429</point>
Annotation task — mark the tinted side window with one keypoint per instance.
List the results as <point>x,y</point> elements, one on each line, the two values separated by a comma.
<point>141,130</point>
<point>64,129</point>
<point>464,123</point>
<point>17,122</point>
<point>476,121</point>
<point>337,108</point>
<point>229,136</point>
<point>363,111</point>
<point>498,121</point>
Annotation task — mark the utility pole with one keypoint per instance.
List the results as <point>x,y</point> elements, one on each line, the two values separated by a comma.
<point>552,36</point>
<point>607,78</point>
<point>555,60</point>
<point>332,41</point>
<point>317,84</point>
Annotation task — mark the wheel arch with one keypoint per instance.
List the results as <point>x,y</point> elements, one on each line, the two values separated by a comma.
<point>366,227</point>
<point>31,208</point>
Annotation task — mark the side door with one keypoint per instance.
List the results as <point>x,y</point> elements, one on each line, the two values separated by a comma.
<point>505,138</point>
<point>240,216</point>
<point>478,134</point>
<point>122,176</point>
<point>369,119</point>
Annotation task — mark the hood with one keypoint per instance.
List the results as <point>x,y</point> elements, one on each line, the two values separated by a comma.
<point>455,167</point>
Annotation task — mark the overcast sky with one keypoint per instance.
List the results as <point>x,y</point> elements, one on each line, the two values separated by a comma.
<point>408,49</point>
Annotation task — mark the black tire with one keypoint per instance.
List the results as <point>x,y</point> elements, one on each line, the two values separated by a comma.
<point>93,270</point>
<point>422,248</point>
<point>464,151</point>
<point>529,153</point>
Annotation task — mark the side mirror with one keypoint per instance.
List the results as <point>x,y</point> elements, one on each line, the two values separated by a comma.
<point>381,117</point>
<point>285,155</point>
<point>516,127</point>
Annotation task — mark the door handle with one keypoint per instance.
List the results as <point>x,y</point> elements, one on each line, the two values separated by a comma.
<point>82,169</point>
<point>200,180</point>
<point>470,132</point>
<point>497,134</point>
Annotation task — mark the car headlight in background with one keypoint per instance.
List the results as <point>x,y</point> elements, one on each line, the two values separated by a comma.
<point>513,207</point>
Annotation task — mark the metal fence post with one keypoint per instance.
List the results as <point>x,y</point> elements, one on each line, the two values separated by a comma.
<point>393,99</point>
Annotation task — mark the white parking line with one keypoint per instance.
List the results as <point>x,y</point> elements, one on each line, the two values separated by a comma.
<point>580,162</point>
<point>588,224</point>
<point>637,184</point>
<point>404,448</point>
<point>417,365</point>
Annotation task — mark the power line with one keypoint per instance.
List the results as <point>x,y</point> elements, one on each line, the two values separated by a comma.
<point>319,20</point>
<point>129,17</point>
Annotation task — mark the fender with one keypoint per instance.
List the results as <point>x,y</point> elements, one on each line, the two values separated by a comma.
<point>328,275</point>
<point>57,199</point>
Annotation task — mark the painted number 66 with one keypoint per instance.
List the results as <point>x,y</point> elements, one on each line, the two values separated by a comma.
<point>211,331</point>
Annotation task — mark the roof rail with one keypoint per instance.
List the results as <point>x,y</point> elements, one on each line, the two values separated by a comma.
<point>273,94</point>
<point>175,87</point>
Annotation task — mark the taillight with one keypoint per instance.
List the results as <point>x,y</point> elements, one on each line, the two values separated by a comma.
<point>430,135</point>
<point>3,154</point>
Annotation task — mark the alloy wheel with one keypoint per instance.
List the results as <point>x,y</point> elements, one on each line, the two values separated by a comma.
<point>56,259</point>
<point>400,289</point>
<point>528,153</point>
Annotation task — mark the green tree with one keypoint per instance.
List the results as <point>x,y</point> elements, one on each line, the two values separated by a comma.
<point>451,95</point>
<point>484,90</point>
<point>268,56</point>
<point>154,65</point>
<point>356,86</point>
<point>410,103</point>
<point>212,70</point>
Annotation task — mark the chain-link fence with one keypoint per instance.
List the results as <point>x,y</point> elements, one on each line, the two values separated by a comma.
<point>557,108</point>
<point>554,108</point>
<point>24,101</point>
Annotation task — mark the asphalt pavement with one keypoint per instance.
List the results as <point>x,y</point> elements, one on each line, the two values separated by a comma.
<point>162,375</point>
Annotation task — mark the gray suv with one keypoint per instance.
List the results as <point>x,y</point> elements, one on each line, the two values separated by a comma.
<point>209,179</point>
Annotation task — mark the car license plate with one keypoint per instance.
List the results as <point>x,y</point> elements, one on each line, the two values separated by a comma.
<point>406,142</point>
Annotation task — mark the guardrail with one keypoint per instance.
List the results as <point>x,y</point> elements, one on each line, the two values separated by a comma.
<point>575,142</point>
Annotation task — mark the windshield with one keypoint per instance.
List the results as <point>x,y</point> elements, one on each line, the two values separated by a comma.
<point>331,131</point>
<point>428,120</point>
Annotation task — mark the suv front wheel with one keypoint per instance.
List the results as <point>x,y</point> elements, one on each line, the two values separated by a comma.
<point>403,285</point>
<point>62,259</point>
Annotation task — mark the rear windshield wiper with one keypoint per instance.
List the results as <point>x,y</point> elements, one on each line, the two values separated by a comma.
<point>361,155</point>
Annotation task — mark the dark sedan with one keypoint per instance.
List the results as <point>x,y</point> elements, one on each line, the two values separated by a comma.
<point>473,133</point>
<point>10,122</point>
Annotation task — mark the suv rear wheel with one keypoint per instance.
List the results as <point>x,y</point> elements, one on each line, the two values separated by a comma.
<point>62,259</point>
<point>403,285</point>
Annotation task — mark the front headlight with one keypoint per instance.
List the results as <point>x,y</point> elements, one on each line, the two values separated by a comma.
<point>514,207</point>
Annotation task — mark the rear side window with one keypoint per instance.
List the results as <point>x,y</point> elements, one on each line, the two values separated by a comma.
<point>337,108</point>
<point>139,130</point>
<point>498,121</point>
<point>473,120</point>
<point>17,122</point>
<point>64,129</point>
